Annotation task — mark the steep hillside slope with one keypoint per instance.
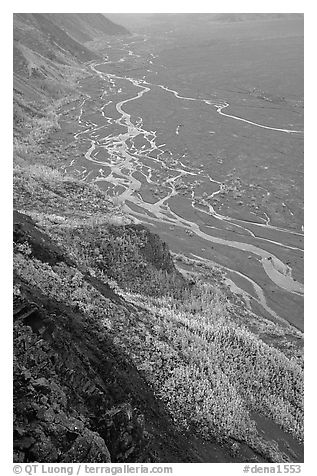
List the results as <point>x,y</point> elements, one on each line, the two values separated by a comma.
<point>108,304</point>
<point>77,395</point>
<point>49,50</point>
<point>37,33</point>
<point>86,26</point>
<point>59,36</point>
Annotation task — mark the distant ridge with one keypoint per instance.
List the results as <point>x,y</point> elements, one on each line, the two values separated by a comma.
<point>239,17</point>
<point>161,21</point>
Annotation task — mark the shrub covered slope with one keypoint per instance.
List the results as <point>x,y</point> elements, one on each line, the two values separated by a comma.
<point>84,273</point>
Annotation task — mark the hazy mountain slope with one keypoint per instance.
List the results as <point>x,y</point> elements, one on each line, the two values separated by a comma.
<point>234,17</point>
<point>86,26</point>
<point>40,34</point>
<point>49,50</point>
<point>46,60</point>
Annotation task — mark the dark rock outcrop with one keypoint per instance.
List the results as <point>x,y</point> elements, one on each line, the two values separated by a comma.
<point>153,248</point>
<point>43,248</point>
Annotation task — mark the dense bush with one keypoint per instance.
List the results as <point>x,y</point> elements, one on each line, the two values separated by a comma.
<point>42,189</point>
<point>123,253</point>
<point>211,373</point>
